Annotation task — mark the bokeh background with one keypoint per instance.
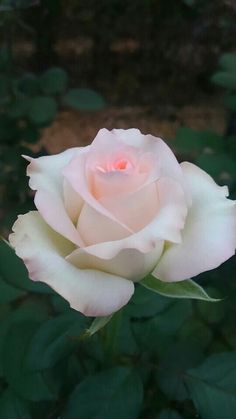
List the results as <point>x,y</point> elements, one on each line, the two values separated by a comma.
<point>67,69</point>
<point>148,64</point>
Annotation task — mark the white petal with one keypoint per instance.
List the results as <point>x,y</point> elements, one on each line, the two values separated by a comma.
<point>166,225</point>
<point>95,227</point>
<point>46,178</point>
<point>209,235</point>
<point>128,263</point>
<point>137,209</point>
<point>72,201</point>
<point>92,292</point>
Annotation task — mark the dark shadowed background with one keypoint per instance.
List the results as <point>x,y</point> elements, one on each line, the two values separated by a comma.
<point>67,69</point>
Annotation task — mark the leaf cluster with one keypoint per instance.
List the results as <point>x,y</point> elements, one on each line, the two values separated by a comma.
<point>28,103</point>
<point>159,357</point>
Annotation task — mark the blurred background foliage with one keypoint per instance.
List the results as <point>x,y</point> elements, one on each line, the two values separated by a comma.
<point>115,63</point>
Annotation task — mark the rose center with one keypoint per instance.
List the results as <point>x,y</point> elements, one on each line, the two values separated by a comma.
<point>121,164</point>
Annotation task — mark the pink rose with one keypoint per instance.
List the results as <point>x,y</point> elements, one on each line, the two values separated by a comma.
<point>110,213</point>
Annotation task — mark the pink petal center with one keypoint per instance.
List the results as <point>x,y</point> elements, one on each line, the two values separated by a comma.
<point>115,165</point>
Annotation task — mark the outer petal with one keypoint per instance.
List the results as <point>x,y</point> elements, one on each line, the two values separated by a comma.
<point>46,178</point>
<point>129,263</point>
<point>43,251</point>
<point>209,236</point>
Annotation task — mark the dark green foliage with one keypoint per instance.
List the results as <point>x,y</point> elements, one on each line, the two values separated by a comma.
<point>147,302</point>
<point>13,407</point>
<point>15,273</point>
<point>225,79</point>
<point>9,5</point>
<point>30,385</point>
<point>159,357</point>
<point>170,375</point>
<point>42,110</point>
<point>116,393</point>
<point>84,99</point>
<point>55,339</point>
<point>149,360</point>
<point>54,81</point>
<point>192,142</point>
<point>28,103</point>
<point>169,413</point>
<point>212,386</point>
<point>9,293</point>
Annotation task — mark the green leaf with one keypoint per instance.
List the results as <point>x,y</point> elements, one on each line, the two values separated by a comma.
<point>220,166</point>
<point>225,79</point>
<point>9,293</point>
<point>145,303</point>
<point>97,324</point>
<point>4,86</point>
<point>181,289</point>
<point>196,332</point>
<point>228,61</point>
<point>84,99</point>
<point>192,141</point>
<point>54,81</point>
<point>18,108</point>
<point>27,384</point>
<point>54,340</point>
<point>12,407</point>
<point>29,84</point>
<point>113,394</point>
<point>170,374</point>
<point>32,310</point>
<point>9,5</point>
<point>13,271</point>
<point>4,59</point>
<point>212,313</point>
<point>43,110</point>
<point>212,386</point>
<point>9,132</point>
<point>169,414</point>
<point>230,102</point>
<point>154,336</point>
<point>30,133</point>
<point>59,304</point>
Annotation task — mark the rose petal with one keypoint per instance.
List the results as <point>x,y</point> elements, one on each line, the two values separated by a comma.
<point>89,291</point>
<point>116,184</point>
<point>128,263</point>
<point>72,201</point>
<point>46,178</point>
<point>166,225</point>
<point>166,164</point>
<point>94,227</point>
<point>136,210</point>
<point>209,234</point>
<point>75,174</point>
<point>77,171</point>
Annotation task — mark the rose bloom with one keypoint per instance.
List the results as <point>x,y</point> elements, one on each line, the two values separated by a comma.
<point>110,213</point>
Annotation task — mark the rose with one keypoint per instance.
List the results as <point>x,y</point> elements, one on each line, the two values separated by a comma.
<point>110,213</point>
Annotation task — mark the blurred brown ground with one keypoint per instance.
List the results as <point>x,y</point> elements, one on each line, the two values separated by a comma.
<point>74,128</point>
